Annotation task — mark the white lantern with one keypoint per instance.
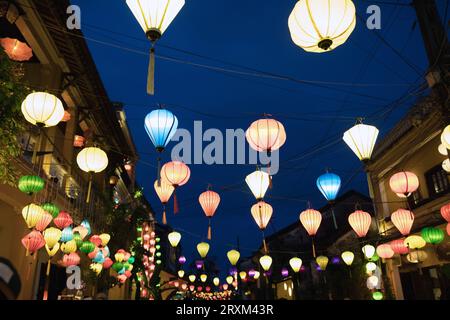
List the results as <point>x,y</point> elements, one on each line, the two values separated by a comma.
<point>174,238</point>
<point>446,165</point>
<point>361,139</point>
<point>445,137</point>
<point>443,150</point>
<point>92,160</point>
<point>258,182</point>
<point>43,109</point>
<point>368,251</point>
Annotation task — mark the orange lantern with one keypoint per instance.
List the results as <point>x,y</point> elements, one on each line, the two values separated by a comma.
<point>67,116</point>
<point>16,50</point>
<point>63,220</point>
<point>209,200</point>
<point>404,183</point>
<point>385,251</point>
<point>78,141</point>
<point>44,221</point>
<point>445,212</point>
<point>403,220</point>
<point>164,190</point>
<point>262,212</point>
<point>33,242</point>
<point>177,174</point>
<point>360,222</point>
<point>266,135</point>
<point>399,247</point>
<point>311,220</point>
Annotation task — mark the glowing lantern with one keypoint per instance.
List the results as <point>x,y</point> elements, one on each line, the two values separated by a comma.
<point>417,256</point>
<point>385,251</point>
<point>161,125</point>
<point>372,282</point>
<point>16,50</point>
<point>415,242</point>
<point>96,268</point>
<point>243,275</point>
<point>216,281</point>
<point>445,137</point>
<point>92,160</point>
<point>399,247</point>
<point>403,220</point>
<point>33,242</point>
<point>154,17</point>
<point>322,262</point>
<point>182,259</point>
<point>203,249</point>
<point>266,262</point>
<point>370,267</point>
<point>320,25</point>
<point>258,182</point>
<point>177,174</point>
<point>87,225</point>
<point>51,208</point>
<point>368,251</point>
<point>69,247</point>
<point>192,278</point>
<point>174,238</point>
<point>209,201</point>
<point>284,272</point>
<point>311,220</point>
<point>233,256</point>
<point>31,184</point>
<point>377,295</point>
<point>44,221</point>
<point>105,239</point>
<point>329,185</point>
<point>42,109</point>
<point>107,263</point>
<point>296,264</point>
<point>432,235</point>
<point>63,220</point>
<point>164,190</point>
<point>81,230</point>
<point>87,247</point>
<point>203,277</point>
<point>96,240</point>
<point>180,273</point>
<point>78,141</point>
<point>348,257</point>
<point>360,222</point>
<point>71,259</point>
<point>32,214</point>
<point>67,235</point>
<point>266,135</point>
<point>257,275</point>
<point>404,183</point>
<point>119,256</point>
<point>262,212</point>
<point>361,139</point>
<point>445,212</point>
<point>448,228</point>
<point>443,150</point>
<point>446,165</point>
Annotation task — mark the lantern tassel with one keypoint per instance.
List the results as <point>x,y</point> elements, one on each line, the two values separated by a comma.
<point>209,230</point>
<point>151,73</point>
<point>334,218</point>
<point>313,248</point>
<point>48,267</point>
<point>88,197</point>
<point>164,218</point>
<point>176,209</point>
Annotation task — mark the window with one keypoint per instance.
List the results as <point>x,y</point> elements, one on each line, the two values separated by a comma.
<point>414,199</point>
<point>437,181</point>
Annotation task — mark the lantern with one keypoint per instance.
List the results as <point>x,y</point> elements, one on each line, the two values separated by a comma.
<point>256,276</point>
<point>105,239</point>
<point>177,174</point>
<point>399,247</point>
<point>96,240</point>
<point>348,257</point>
<point>42,109</point>
<point>67,234</point>
<point>203,277</point>
<point>415,242</point>
<point>377,295</point>
<point>32,214</point>
<point>445,137</point>
<point>417,256</point>
<point>87,247</point>
<point>192,278</point>
<point>52,236</point>
<point>266,135</point>
<point>311,220</point>
<point>296,264</point>
<point>174,238</point>
<point>262,212</point>
<point>432,235</point>
<point>161,125</point>
<point>360,222</point>
<point>107,263</point>
<point>51,208</point>
<point>385,251</point>
<point>372,282</point>
<point>154,17</point>
<point>33,242</point>
<point>320,25</point>
<point>44,221</point>
<point>370,267</point>
<point>71,259</point>
<point>404,183</point>
<point>258,182</point>
<point>81,230</point>
<point>164,190</point>
<point>216,281</point>
<point>233,256</point>
<point>87,225</point>
<point>209,201</point>
<point>63,220</point>
<point>92,160</point>
<point>96,268</point>
<point>445,212</point>
<point>16,50</point>
<point>448,228</point>
<point>442,150</point>
<point>69,247</point>
<point>403,220</point>
<point>361,139</point>
<point>329,185</point>
<point>31,184</point>
<point>322,262</point>
<point>368,251</point>
<point>182,259</point>
<point>203,249</point>
<point>446,165</point>
<point>180,273</point>
<point>266,262</point>
<point>78,141</point>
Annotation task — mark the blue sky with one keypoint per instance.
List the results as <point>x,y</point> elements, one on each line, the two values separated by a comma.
<point>255,34</point>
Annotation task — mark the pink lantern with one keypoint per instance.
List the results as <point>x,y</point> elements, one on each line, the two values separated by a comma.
<point>93,254</point>
<point>403,220</point>
<point>33,241</point>
<point>385,251</point>
<point>16,50</point>
<point>44,221</point>
<point>96,240</point>
<point>122,278</point>
<point>83,231</point>
<point>399,247</point>
<point>404,183</point>
<point>107,263</point>
<point>71,259</point>
<point>448,228</point>
<point>360,222</point>
<point>126,256</point>
<point>63,220</point>
<point>78,141</point>
<point>128,273</point>
<point>445,212</point>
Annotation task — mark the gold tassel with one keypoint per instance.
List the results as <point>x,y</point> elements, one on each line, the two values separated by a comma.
<point>89,189</point>
<point>164,218</point>
<point>48,267</point>
<point>151,73</point>
<point>209,232</point>
<point>313,248</point>
<point>265,245</point>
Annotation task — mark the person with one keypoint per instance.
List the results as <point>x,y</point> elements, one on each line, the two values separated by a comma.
<point>10,284</point>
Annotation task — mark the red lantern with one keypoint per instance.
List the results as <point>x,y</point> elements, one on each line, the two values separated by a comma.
<point>96,240</point>
<point>399,247</point>
<point>266,135</point>
<point>71,259</point>
<point>311,220</point>
<point>448,229</point>
<point>209,200</point>
<point>93,254</point>
<point>107,263</point>
<point>403,220</point>
<point>360,222</point>
<point>63,220</point>
<point>33,242</point>
<point>16,50</point>
<point>44,221</point>
<point>385,251</point>
<point>404,183</point>
<point>177,174</point>
<point>445,212</point>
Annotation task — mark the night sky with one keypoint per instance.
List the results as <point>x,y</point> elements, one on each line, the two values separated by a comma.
<point>253,34</point>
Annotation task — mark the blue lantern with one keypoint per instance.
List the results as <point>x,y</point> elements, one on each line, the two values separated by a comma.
<point>86,224</point>
<point>161,126</point>
<point>67,234</point>
<point>329,184</point>
<point>99,258</point>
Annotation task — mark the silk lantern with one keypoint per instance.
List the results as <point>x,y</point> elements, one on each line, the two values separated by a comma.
<point>262,213</point>
<point>415,242</point>
<point>203,278</point>
<point>445,212</point>
<point>311,219</point>
<point>266,262</point>
<point>361,139</point>
<point>32,214</point>
<point>164,190</point>
<point>105,239</point>
<point>432,235</point>
<point>209,201</point>
<point>404,183</point>
<point>67,234</point>
<point>31,184</point>
<point>177,174</point>
<point>192,278</point>
<point>322,262</point>
<point>233,256</point>
<point>69,247</point>
<point>329,185</point>
<point>180,273</point>
<point>417,256</point>
<point>71,259</point>
<point>445,137</point>
<point>403,220</point>
<point>203,249</point>
<point>446,165</point>
<point>296,264</point>
<point>174,238</point>
<point>216,281</point>
<point>368,251</point>
<point>51,208</point>
<point>92,160</point>
<point>63,220</point>
<point>385,251</point>
<point>33,242</point>
<point>44,221</point>
<point>399,246</point>
<point>360,222</point>
<point>258,182</point>
<point>348,257</point>
<point>16,50</point>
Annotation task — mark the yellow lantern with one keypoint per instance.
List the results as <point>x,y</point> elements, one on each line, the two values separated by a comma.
<point>296,264</point>
<point>417,256</point>
<point>415,242</point>
<point>233,256</point>
<point>243,275</point>
<point>69,247</point>
<point>368,251</point>
<point>216,281</point>
<point>203,277</point>
<point>43,109</point>
<point>322,261</point>
<point>443,150</point>
<point>174,238</point>
<point>52,236</point>
<point>105,239</point>
<point>192,278</point>
<point>258,182</point>
<point>92,160</point>
<point>229,280</point>
<point>445,137</point>
<point>51,251</point>
<point>203,249</point>
<point>446,165</point>
<point>322,25</point>
<point>348,257</point>
<point>180,273</point>
<point>96,267</point>
<point>361,139</point>
<point>370,267</point>
<point>32,214</point>
<point>119,256</point>
<point>266,262</point>
<point>256,276</point>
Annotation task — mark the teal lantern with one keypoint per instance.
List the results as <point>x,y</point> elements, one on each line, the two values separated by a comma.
<point>432,235</point>
<point>87,225</point>
<point>51,208</point>
<point>161,126</point>
<point>329,185</point>
<point>31,184</point>
<point>131,260</point>
<point>67,234</point>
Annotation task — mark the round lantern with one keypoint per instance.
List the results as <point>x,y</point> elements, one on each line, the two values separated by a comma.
<point>361,139</point>
<point>432,235</point>
<point>417,256</point>
<point>311,220</point>
<point>233,256</point>
<point>385,251</point>
<point>266,135</point>
<point>182,259</point>
<point>177,174</point>
<point>442,150</point>
<point>404,183</point>
<point>105,239</point>
<point>69,247</point>
<point>96,268</point>
<point>329,185</point>
<point>107,263</point>
<point>258,182</point>
<point>403,220</point>
<point>348,257</point>
<point>174,238</point>
<point>67,234</point>
<point>96,240</point>
<point>203,277</point>
<point>216,281</point>
<point>322,262</point>
<point>368,251</point>
<point>377,295</point>
<point>161,125</point>
<point>370,267</point>
<point>445,137</point>
<point>372,282</point>
<point>63,220</point>
<point>180,273</point>
<point>71,259</point>
<point>87,247</point>
<point>203,249</point>
<point>256,276</point>
<point>415,242</point>
<point>262,212</point>
<point>16,50</point>
<point>31,184</point>
<point>266,262</point>
<point>52,236</point>
<point>33,242</point>
<point>322,25</point>
<point>296,264</point>
<point>44,221</point>
<point>42,109</point>
<point>51,208</point>
<point>164,190</point>
<point>446,165</point>
<point>360,222</point>
<point>92,160</point>
<point>209,201</point>
<point>448,228</point>
<point>243,275</point>
<point>192,278</point>
<point>445,212</point>
<point>399,246</point>
<point>32,214</point>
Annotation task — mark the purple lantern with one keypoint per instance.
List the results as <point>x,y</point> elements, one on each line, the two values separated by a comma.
<point>284,272</point>
<point>182,259</point>
<point>251,273</point>
<point>233,271</point>
<point>335,260</point>
<point>199,264</point>
<point>268,273</point>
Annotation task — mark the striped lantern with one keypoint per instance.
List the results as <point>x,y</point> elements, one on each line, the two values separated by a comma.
<point>399,247</point>
<point>445,212</point>
<point>33,242</point>
<point>63,220</point>
<point>209,201</point>
<point>360,222</point>
<point>403,220</point>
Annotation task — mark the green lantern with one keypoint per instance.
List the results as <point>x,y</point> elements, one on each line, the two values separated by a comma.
<point>78,240</point>
<point>374,258</point>
<point>158,262</point>
<point>432,235</point>
<point>127,265</point>
<point>51,208</point>
<point>31,184</point>
<point>158,254</point>
<point>131,260</point>
<point>158,239</point>
<point>87,247</point>
<point>117,266</point>
<point>377,295</point>
<point>158,247</point>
